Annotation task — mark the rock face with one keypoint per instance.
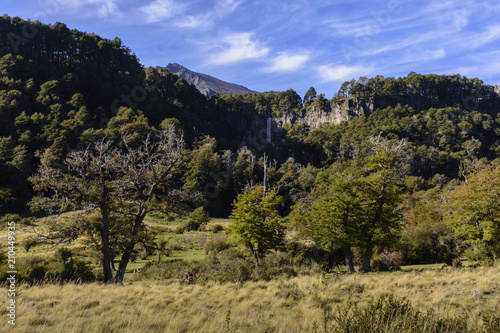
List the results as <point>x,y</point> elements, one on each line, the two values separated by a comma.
<point>336,114</point>
<point>206,84</point>
<point>497,89</point>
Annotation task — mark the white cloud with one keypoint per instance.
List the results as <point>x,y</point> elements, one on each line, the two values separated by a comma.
<point>160,10</point>
<point>287,62</point>
<point>85,8</point>
<point>412,57</point>
<point>237,47</point>
<point>226,7</point>
<point>108,8</point>
<point>492,34</point>
<point>192,22</point>
<point>330,73</point>
<point>185,15</point>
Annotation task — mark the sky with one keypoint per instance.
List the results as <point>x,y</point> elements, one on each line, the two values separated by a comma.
<point>282,44</point>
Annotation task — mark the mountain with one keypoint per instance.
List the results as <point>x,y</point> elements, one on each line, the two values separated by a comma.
<point>206,84</point>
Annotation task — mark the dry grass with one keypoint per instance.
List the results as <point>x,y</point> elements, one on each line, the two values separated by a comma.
<point>290,305</point>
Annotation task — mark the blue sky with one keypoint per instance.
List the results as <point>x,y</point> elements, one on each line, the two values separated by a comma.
<point>282,44</point>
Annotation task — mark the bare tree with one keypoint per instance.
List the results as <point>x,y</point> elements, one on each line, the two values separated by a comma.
<point>116,188</point>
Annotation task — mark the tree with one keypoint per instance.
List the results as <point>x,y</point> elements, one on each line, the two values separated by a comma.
<point>386,164</point>
<point>332,220</point>
<point>356,206</point>
<point>243,170</point>
<point>115,187</point>
<point>5,195</point>
<point>257,224</point>
<point>473,208</point>
<point>310,95</point>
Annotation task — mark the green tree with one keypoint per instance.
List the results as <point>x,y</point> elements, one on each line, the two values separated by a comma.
<point>257,224</point>
<point>310,96</point>
<point>387,164</point>
<point>333,219</point>
<point>473,208</point>
<point>204,170</point>
<point>244,168</point>
<point>357,206</point>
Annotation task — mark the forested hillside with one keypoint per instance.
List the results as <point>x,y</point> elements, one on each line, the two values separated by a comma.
<point>394,164</point>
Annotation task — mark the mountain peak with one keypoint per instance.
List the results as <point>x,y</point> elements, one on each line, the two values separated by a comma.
<point>206,84</point>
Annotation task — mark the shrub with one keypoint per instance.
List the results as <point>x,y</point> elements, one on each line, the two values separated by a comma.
<point>180,229</point>
<point>389,314</point>
<point>192,226</point>
<point>456,263</point>
<point>77,270</point>
<point>216,228</point>
<point>429,243</point>
<point>485,254</point>
<point>28,243</point>
<point>17,218</point>
<point>216,245</point>
<point>163,248</point>
<point>391,261</point>
<point>10,218</point>
<point>199,215</point>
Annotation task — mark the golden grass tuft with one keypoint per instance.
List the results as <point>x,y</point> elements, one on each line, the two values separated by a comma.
<point>285,305</point>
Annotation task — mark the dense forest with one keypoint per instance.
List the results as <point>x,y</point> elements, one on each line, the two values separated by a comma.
<point>396,178</point>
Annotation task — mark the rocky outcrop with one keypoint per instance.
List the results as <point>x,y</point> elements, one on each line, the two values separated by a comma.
<point>336,114</point>
<point>497,88</point>
<point>206,84</point>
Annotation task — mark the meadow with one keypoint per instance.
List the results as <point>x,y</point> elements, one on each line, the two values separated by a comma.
<point>417,300</point>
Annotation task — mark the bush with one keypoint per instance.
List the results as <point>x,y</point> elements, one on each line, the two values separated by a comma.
<point>161,216</point>
<point>17,218</point>
<point>192,226</point>
<point>485,254</point>
<point>28,243</point>
<point>216,228</point>
<point>302,254</point>
<point>180,229</point>
<point>216,245</point>
<point>456,263</point>
<point>390,261</point>
<point>229,265</point>
<point>77,270</point>
<point>10,218</point>
<point>63,266</point>
<point>200,215</point>
<point>389,314</point>
<point>429,243</point>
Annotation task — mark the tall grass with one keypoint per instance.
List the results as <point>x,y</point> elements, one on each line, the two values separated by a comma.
<point>449,300</point>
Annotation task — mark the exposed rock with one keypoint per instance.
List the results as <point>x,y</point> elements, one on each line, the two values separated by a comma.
<point>336,114</point>
<point>206,84</point>
<point>497,89</point>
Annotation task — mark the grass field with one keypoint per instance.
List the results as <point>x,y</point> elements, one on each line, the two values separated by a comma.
<point>436,296</point>
<point>300,304</point>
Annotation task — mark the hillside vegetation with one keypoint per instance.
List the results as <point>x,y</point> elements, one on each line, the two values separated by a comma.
<point>123,174</point>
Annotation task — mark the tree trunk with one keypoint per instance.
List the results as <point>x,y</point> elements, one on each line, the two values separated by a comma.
<point>255,256</point>
<point>348,260</point>
<point>367,260</point>
<point>106,259</point>
<point>127,253</point>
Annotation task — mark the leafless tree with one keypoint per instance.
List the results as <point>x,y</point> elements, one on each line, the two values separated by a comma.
<point>116,188</point>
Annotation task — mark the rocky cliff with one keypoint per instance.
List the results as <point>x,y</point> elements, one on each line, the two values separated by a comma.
<point>206,84</point>
<point>338,112</point>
